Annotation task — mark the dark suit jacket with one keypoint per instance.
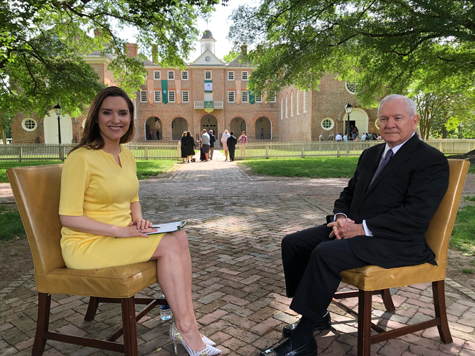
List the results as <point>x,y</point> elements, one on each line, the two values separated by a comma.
<point>231,141</point>
<point>398,206</point>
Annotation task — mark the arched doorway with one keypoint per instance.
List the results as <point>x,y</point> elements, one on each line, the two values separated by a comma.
<point>179,124</point>
<point>51,131</point>
<point>358,118</point>
<point>153,129</point>
<point>263,129</point>
<point>209,122</point>
<point>238,125</point>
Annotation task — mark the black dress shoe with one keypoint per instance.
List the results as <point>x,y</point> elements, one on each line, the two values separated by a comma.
<point>285,349</point>
<point>324,324</point>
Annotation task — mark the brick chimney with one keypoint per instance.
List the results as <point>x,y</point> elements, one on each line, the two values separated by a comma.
<point>131,49</point>
<point>155,53</point>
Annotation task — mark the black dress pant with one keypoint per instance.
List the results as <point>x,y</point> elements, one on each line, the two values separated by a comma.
<point>232,150</point>
<point>312,265</point>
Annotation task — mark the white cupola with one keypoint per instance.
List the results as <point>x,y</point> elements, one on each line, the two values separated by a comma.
<point>207,42</point>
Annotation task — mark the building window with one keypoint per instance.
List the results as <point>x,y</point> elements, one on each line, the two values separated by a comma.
<point>231,96</point>
<point>230,75</point>
<point>156,75</point>
<point>244,75</point>
<point>185,97</point>
<point>245,96</point>
<point>327,123</point>
<point>305,101</point>
<point>143,96</point>
<point>272,98</point>
<point>282,110</point>
<point>171,96</point>
<point>286,106</point>
<point>171,75</point>
<point>184,75</point>
<point>258,98</point>
<point>351,87</point>
<point>157,96</point>
<point>292,104</point>
<point>208,75</point>
<point>29,124</point>
<point>298,102</point>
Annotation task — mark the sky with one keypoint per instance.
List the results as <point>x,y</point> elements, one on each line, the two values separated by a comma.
<point>219,27</point>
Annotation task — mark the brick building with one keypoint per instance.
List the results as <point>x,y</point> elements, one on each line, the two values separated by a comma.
<point>213,95</point>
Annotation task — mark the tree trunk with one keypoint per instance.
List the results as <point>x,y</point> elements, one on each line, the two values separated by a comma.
<point>3,133</point>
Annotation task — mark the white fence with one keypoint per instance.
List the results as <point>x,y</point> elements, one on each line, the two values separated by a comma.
<point>44,152</point>
<point>146,150</point>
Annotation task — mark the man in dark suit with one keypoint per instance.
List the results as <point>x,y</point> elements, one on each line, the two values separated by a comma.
<point>380,219</point>
<point>231,142</point>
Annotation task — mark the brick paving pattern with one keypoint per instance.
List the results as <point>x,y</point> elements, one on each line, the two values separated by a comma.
<point>236,223</point>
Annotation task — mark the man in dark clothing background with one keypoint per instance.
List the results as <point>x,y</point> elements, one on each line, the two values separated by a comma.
<point>231,142</point>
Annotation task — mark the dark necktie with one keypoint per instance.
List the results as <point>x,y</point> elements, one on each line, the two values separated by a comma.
<point>383,163</point>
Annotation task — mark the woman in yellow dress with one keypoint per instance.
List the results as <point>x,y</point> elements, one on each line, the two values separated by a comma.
<point>102,219</point>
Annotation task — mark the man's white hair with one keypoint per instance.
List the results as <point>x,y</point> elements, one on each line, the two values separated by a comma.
<point>410,104</point>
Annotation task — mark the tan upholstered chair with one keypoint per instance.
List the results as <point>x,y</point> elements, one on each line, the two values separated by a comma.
<point>37,191</point>
<point>376,280</point>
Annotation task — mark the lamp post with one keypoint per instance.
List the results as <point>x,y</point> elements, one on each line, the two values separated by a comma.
<point>348,109</point>
<point>58,110</point>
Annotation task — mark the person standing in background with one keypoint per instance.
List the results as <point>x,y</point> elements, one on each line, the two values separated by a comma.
<point>183,149</point>
<point>189,147</point>
<point>212,140</point>
<point>224,140</point>
<point>231,143</point>
<point>242,144</point>
<point>205,144</point>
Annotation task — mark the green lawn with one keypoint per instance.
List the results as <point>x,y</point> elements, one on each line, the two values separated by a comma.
<point>145,169</point>
<point>463,236</point>
<point>318,167</point>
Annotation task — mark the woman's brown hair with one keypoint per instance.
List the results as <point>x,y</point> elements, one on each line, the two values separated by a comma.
<point>91,137</point>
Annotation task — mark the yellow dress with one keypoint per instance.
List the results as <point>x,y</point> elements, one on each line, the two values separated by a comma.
<point>94,185</point>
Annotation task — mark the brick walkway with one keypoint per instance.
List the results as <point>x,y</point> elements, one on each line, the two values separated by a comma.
<point>236,224</point>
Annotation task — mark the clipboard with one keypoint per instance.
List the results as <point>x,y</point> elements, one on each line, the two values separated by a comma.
<point>167,227</point>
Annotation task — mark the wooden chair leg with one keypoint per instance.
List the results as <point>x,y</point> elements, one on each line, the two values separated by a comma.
<point>130,327</point>
<point>92,308</point>
<point>438,291</point>
<point>44,305</point>
<point>364,323</point>
<point>388,301</point>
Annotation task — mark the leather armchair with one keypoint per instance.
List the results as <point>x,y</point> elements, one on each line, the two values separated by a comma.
<point>371,280</point>
<point>37,191</point>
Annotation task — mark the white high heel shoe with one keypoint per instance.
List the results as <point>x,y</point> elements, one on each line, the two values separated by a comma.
<point>174,331</point>
<point>178,339</point>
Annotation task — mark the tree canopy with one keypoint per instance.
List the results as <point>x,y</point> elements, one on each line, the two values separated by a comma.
<point>381,44</point>
<point>43,42</point>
